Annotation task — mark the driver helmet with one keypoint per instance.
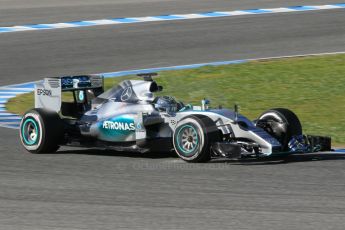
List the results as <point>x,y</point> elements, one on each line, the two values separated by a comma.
<point>166,104</point>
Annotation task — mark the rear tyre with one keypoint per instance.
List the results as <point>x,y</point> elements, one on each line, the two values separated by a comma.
<point>193,137</point>
<point>282,124</point>
<point>41,131</point>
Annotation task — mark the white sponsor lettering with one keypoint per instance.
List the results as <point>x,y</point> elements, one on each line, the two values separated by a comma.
<point>118,125</point>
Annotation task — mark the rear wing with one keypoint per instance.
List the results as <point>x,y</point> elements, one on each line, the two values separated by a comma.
<point>48,93</point>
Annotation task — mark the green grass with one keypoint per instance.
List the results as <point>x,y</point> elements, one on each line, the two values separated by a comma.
<point>313,87</point>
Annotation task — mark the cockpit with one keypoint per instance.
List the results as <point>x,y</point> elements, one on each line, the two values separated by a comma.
<point>140,92</point>
<point>132,91</point>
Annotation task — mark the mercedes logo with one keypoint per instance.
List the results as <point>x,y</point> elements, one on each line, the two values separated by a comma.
<point>126,94</point>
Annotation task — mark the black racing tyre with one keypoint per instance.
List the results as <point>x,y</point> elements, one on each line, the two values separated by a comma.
<point>282,124</point>
<point>193,137</point>
<point>41,131</point>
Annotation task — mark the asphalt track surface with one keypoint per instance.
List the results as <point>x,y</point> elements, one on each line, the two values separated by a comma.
<point>28,56</point>
<point>18,12</point>
<point>102,190</point>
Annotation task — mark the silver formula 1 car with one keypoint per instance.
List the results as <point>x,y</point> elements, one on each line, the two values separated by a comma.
<point>128,117</point>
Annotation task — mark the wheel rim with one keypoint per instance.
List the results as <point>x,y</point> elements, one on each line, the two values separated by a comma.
<point>30,132</point>
<point>187,140</point>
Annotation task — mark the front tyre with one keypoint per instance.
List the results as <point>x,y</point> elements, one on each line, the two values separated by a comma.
<point>41,131</point>
<point>282,124</point>
<point>193,137</point>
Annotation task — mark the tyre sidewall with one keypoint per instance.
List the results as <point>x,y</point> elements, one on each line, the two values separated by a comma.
<point>51,130</point>
<point>41,131</point>
<point>201,136</point>
<point>201,149</point>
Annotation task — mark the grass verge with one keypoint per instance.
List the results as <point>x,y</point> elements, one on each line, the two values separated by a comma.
<point>313,87</point>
